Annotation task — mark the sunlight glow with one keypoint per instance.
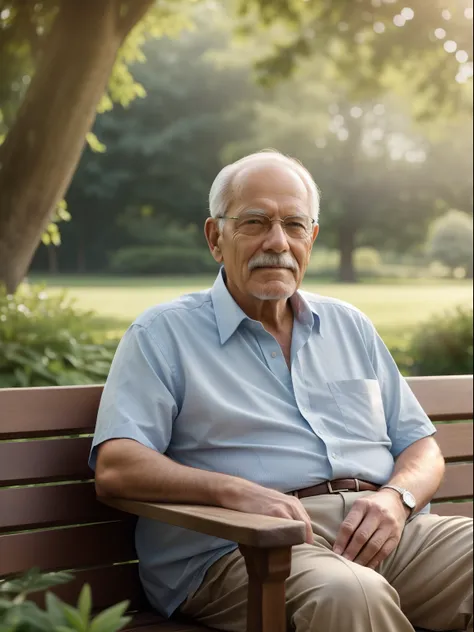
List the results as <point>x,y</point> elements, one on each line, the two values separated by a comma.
<point>399,20</point>
<point>462,56</point>
<point>408,13</point>
<point>468,13</point>
<point>356,112</point>
<point>446,14</point>
<point>440,33</point>
<point>450,46</point>
<point>379,27</point>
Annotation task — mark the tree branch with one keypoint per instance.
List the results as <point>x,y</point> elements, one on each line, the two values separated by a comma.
<point>130,12</point>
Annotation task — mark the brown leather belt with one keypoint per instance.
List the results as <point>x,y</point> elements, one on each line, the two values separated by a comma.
<point>333,487</point>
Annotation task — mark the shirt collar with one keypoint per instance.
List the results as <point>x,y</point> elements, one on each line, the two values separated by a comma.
<point>229,315</point>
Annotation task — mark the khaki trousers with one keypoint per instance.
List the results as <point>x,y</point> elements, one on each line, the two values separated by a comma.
<point>425,582</point>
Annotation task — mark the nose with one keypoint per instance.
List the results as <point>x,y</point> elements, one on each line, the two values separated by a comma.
<point>276,239</point>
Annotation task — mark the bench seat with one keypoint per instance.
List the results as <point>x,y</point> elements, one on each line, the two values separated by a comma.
<point>50,517</point>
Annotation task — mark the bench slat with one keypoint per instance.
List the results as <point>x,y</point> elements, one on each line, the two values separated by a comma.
<point>47,411</point>
<point>453,509</point>
<point>52,506</point>
<point>92,545</point>
<point>455,440</point>
<point>444,398</point>
<point>457,482</point>
<point>109,585</point>
<point>44,461</point>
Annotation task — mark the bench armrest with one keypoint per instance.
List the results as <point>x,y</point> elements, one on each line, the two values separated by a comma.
<point>248,529</point>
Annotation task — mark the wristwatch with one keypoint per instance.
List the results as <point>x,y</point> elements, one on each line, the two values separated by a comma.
<point>407,497</point>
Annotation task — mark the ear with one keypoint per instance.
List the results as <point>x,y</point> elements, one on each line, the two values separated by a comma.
<point>315,233</point>
<point>313,239</point>
<point>211,232</point>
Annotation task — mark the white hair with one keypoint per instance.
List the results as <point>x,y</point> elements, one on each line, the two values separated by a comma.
<point>221,190</point>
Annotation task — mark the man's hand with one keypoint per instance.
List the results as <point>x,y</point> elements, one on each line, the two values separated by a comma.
<point>372,529</point>
<point>252,498</point>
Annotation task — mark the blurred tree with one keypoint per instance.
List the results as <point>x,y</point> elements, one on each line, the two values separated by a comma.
<point>375,42</point>
<point>450,241</point>
<point>162,152</point>
<point>383,176</point>
<point>76,44</point>
<point>72,48</point>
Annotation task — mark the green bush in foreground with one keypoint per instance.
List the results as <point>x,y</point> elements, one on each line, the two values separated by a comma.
<point>443,345</point>
<point>17,614</point>
<point>46,341</point>
<point>162,260</point>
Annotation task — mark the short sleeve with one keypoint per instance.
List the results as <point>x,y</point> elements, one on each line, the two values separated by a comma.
<point>139,398</point>
<point>407,422</point>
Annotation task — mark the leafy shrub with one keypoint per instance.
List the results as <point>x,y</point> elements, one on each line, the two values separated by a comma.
<point>443,345</point>
<point>162,260</point>
<point>17,614</point>
<point>450,240</point>
<point>324,262</point>
<point>367,260</point>
<point>46,341</point>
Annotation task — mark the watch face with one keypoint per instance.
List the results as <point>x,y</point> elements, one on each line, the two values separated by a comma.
<point>409,500</point>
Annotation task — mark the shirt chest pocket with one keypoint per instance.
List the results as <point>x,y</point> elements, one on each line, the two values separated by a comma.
<point>361,407</point>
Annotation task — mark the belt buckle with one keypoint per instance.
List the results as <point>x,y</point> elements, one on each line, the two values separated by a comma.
<point>336,491</point>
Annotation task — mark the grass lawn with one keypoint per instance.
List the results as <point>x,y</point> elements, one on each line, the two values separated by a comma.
<point>395,308</point>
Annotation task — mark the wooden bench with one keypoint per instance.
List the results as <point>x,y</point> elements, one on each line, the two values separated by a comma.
<point>45,482</point>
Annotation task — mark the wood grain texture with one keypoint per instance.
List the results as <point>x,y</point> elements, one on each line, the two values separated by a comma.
<point>109,585</point>
<point>457,483</point>
<point>59,549</point>
<point>52,506</point>
<point>267,571</point>
<point>250,529</point>
<point>455,440</point>
<point>453,509</point>
<point>47,411</point>
<point>44,461</point>
<point>444,397</point>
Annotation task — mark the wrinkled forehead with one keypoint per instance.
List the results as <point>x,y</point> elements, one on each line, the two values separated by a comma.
<point>271,181</point>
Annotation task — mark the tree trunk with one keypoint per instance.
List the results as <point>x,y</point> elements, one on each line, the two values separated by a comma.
<point>347,273</point>
<point>43,147</point>
<point>53,259</point>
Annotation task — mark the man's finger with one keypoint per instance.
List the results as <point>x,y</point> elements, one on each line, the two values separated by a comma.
<point>373,546</point>
<point>361,538</point>
<point>300,513</point>
<point>383,553</point>
<point>347,528</point>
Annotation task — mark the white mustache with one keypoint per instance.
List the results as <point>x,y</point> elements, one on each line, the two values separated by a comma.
<point>268,260</point>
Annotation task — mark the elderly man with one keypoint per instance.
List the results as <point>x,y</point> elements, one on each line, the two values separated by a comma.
<point>260,398</point>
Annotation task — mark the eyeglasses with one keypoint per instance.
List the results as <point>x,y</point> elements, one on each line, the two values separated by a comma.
<point>255,224</point>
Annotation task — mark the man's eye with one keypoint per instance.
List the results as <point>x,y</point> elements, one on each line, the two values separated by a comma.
<point>253,221</point>
<point>294,223</point>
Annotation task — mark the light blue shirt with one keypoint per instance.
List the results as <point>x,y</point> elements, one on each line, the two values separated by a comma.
<point>199,381</point>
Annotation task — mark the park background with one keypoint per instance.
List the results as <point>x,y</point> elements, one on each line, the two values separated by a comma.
<point>101,216</point>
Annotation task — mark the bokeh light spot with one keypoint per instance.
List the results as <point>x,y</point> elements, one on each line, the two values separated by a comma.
<point>450,46</point>
<point>408,13</point>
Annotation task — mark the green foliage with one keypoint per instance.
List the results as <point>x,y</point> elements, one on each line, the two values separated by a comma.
<point>443,345</point>
<point>387,45</point>
<point>450,240</point>
<point>51,235</point>
<point>162,260</point>
<point>45,341</point>
<point>17,614</point>
<point>367,260</point>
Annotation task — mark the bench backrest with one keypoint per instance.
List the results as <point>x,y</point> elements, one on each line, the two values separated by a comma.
<point>50,518</point>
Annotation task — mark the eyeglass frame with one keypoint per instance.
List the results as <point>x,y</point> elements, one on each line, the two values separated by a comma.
<point>271,221</point>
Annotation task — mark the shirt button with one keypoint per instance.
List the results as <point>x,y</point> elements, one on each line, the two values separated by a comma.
<point>334,455</point>
<point>274,355</point>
